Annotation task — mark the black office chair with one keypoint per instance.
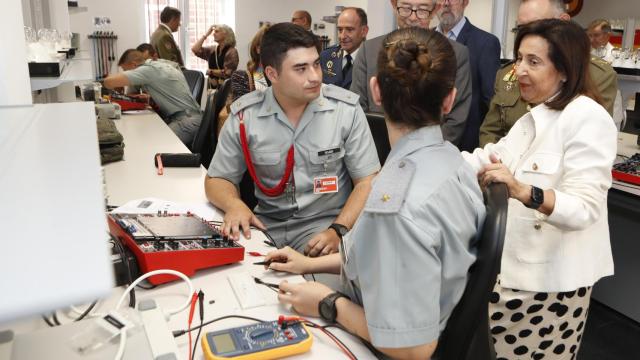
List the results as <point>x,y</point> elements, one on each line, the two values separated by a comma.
<point>195,80</point>
<point>206,139</point>
<point>204,142</point>
<point>467,335</point>
<point>380,135</point>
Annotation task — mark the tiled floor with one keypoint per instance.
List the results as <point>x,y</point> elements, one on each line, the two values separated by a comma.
<point>609,336</point>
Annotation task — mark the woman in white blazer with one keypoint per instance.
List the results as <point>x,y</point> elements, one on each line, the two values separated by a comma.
<point>556,162</point>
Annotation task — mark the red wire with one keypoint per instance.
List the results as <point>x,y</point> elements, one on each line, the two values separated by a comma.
<point>194,299</point>
<point>325,331</point>
<point>278,189</point>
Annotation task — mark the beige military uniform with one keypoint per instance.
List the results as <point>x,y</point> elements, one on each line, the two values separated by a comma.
<point>507,107</point>
<point>162,40</point>
<point>332,139</point>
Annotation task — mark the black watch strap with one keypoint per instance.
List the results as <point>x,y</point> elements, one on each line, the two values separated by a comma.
<point>327,307</point>
<point>536,198</point>
<point>340,229</point>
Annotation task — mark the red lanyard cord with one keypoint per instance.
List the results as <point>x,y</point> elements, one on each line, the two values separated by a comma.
<point>278,189</point>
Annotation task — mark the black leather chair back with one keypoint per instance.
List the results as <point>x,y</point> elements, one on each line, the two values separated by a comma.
<point>195,80</point>
<point>467,335</point>
<point>204,142</point>
<point>380,135</point>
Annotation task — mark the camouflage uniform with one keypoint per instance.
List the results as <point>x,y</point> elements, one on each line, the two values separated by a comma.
<point>507,107</point>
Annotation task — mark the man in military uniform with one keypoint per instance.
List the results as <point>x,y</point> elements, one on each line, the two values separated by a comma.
<point>306,145</point>
<point>337,60</point>
<point>507,107</point>
<point>167,87</point>
<point>162,39</point>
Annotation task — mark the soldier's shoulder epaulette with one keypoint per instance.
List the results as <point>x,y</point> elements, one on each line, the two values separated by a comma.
<point>340,94</point>
<point>247,100</point>
<point>390,187</point>
<point>600,63</point>
<point>333,49</point>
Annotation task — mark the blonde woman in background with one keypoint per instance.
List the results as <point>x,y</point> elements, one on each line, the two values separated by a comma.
<point>222,58</point>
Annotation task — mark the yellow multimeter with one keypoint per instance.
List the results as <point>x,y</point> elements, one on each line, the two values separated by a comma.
<point>266,340</point>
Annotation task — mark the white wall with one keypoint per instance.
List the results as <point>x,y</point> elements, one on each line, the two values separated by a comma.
<point>479,13</point>
<point>250,12</point>
<point>15,88</point>
<point>618,9</point>
<point>127,21</point>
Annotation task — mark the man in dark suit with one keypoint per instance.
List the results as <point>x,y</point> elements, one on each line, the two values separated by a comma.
<point>337,60</point>
<point>416,13</point>
<point>484,55</point>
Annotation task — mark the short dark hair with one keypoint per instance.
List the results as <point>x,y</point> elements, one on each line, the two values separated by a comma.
<point>416,71</point>
<point>147,47</point>
<point>305,14</point>
<point>362,15</point>
<point>569,51</point>
<point>131,55</point>
<point>169,13</point>
<point>282,37</point>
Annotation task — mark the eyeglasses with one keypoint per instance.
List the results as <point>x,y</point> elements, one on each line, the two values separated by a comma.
<point>406,12</point>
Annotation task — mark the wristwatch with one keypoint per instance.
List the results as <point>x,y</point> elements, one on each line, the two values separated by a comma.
<point>339,229</point>
<point>327,307</point>
<point>537,198</point>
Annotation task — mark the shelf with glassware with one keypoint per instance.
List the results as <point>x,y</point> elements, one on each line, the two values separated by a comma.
<point>76,69</point>
<point>53,60</point>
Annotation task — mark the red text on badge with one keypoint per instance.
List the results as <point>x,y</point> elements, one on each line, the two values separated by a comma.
<point>325,185</point>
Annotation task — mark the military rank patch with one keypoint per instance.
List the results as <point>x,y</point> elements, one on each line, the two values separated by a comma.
<point>510,78</point>
<point>390,187</point>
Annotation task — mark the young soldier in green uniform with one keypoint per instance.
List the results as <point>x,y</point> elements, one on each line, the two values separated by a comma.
<point>507,107</point>
<point>307,146</point>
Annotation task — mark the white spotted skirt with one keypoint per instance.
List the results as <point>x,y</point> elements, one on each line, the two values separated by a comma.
<point>537,325</point>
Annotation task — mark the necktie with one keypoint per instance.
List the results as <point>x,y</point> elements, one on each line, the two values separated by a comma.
<point>347,67</point>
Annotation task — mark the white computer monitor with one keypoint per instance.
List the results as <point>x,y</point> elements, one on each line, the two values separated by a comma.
<point>53,248</point>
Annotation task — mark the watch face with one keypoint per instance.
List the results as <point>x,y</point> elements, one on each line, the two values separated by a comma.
<point>537,197</point>
<point>326,310</point>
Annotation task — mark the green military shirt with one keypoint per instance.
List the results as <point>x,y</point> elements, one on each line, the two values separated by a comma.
<point>507,107</point>
<point>162,40</point>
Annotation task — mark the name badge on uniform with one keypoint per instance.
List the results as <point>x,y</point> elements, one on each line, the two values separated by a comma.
<point>325,185</point>
<point>327,153</point>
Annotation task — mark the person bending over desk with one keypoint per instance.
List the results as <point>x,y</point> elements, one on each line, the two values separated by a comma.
<point>168,88</point>
<point>304,144</point>
<point>405,263</point>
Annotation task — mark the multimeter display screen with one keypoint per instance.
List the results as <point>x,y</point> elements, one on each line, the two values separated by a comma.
<point>224,343</point>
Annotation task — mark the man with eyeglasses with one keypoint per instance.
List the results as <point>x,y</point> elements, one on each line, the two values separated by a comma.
<point>507,107</point>
<point>599,32</point>
<point>416,13</point>
<point>484,56</point>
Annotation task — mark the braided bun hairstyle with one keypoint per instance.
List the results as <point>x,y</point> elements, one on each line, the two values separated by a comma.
<point>416,71</point>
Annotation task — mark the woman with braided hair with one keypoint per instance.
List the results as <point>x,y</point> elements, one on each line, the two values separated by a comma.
<point>404,264</point>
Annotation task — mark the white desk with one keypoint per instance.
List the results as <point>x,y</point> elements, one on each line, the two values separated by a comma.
<point>627,146</point>
<point>136,176</point>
